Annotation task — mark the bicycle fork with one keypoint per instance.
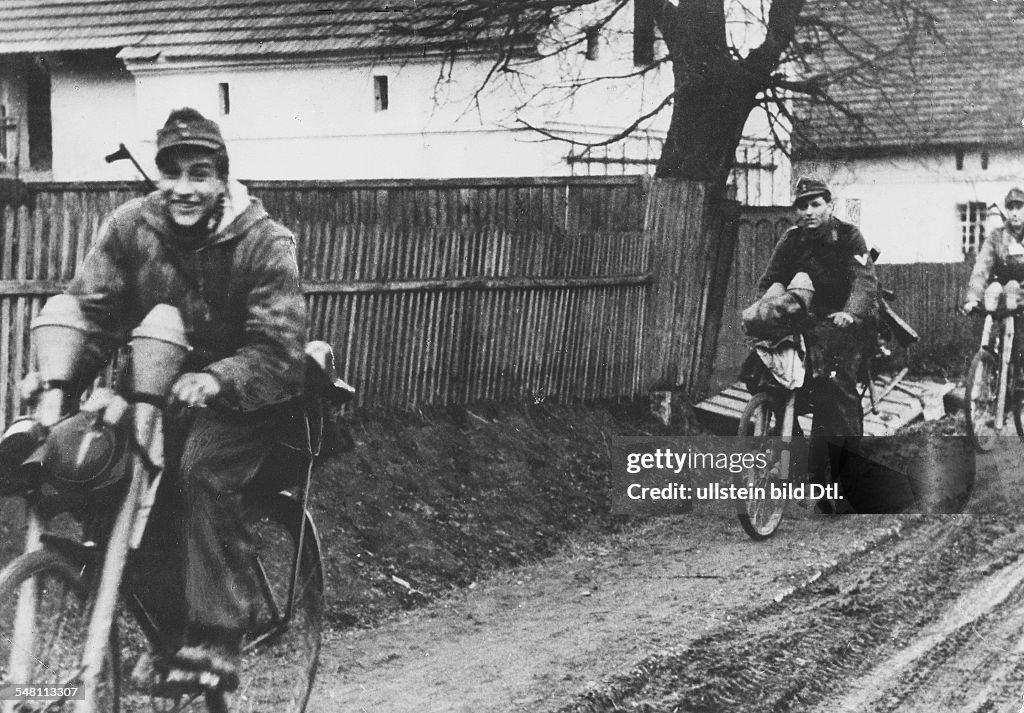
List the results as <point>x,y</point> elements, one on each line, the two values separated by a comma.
<point>125,534</point>
<point>1006,354</point>
<point>788,422</point>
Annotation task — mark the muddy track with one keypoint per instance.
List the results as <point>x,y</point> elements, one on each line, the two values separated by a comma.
<point>931,621</point>
<point>805,649</point>
<point>847,614</point>
<point>532,639</point>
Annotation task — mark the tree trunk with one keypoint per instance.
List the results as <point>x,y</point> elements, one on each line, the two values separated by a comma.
<point>692,237</point>
<point>709,111</point>
<point>708,116</point>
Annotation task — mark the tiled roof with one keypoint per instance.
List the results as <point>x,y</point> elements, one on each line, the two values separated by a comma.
<point>959,85</point>
<point>201,28</point>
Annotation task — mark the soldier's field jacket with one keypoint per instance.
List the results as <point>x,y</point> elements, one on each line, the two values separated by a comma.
<point>837,260</point>
<point>238,293</point>
<point>1000,259</point>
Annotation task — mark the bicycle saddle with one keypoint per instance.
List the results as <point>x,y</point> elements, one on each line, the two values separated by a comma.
<point>322,376</point>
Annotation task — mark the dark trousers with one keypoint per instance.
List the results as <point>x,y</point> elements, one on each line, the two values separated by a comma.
<point>195,568</point>
<point>838,413</point>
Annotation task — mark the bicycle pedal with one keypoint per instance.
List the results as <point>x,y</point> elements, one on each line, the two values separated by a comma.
<point>177,686</point>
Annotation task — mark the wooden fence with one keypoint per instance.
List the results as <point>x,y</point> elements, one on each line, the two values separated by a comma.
<point>435,292</point>
<point>451,291</point>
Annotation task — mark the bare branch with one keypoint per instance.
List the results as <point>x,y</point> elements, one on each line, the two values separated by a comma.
<point>615,138</point>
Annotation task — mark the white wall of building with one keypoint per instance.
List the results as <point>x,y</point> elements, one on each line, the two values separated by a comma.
<point>909,205</point>
<point>319,121</point>
<point>91,115</point>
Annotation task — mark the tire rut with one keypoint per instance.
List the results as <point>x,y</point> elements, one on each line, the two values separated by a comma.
<point>794,654</point>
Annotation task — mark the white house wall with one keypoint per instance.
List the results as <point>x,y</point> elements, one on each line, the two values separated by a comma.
<point>319,122</point>
<point>908,206</point>
<point>91,115</point>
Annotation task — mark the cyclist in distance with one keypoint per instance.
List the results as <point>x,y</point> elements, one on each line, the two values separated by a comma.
<point>843,313</point>
<point>1000,259</point>
<point>202,244</point>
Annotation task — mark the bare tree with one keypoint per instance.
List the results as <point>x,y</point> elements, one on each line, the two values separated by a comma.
<point>806,51</point>
<point>818,69</point>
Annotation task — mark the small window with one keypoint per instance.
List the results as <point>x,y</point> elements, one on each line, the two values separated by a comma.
<point>984,160</point>
<point>851,210</point>
<point>593,42</point>
<point>39,121</point>
<point>224,96</point>
<point>380,93</point>
<point>959,159</point>
<point>643,32</point>
<point>972,225</point>
<point>3,134</point>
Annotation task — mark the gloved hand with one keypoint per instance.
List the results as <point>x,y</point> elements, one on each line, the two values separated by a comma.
<point>195,389</point>
<point>106,405</point>
<point>970,307</point>
<point>842,319</point>
<point>30,387</point>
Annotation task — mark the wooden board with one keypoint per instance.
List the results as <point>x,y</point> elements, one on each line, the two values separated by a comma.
<point>902,405</point>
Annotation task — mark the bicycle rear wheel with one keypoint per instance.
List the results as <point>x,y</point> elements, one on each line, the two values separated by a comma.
<point>760,517</point>
<point>280,660</point>
<point>982,399</point>
<point>60,627</point>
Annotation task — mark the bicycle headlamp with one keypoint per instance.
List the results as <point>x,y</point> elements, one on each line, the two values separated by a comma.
<point>82,454</point>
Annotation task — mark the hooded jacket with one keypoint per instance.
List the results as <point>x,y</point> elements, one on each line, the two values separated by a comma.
<point>238,294</point>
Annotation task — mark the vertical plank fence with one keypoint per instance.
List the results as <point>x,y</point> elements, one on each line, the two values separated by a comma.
<point>437,292</point>
<point>449,291</point>
<point>432,292</point>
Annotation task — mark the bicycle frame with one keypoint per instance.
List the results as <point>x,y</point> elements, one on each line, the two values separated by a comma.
<point>126,534</point>
<point>145,463</point>
<point>1003,353</point>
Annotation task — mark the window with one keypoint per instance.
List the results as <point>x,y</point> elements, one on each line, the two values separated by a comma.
<point>593,42</point>
<point>224,97</point>
<point>984,160</point>
<point>3,134</point>
<point>40,126</point>
<point>851,210</point>
<point>380,93</point>
<point>643,32</point>
<point>959,159</point>
<point>972,225</point>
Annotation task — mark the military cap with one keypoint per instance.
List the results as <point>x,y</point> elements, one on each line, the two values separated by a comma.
<point>187,127</point>
<point>807,187</point>
<point>1015,195</point>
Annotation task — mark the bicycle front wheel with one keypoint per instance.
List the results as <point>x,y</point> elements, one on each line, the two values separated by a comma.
<point>760,516</point>
<point>59,625</point>
<point>280,659</point>
<point>982,401</point>
<point>1013,401</point>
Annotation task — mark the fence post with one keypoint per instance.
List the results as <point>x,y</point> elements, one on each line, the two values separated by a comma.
<point>693,236</point>
<point>722,235</point>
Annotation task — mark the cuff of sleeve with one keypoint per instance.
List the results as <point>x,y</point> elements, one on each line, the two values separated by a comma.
<point>227,395</point>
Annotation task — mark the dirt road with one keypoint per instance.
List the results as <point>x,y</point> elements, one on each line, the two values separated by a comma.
<point>863,613</point>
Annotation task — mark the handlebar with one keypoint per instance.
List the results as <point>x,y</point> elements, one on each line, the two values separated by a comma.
<point>999,312</point>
